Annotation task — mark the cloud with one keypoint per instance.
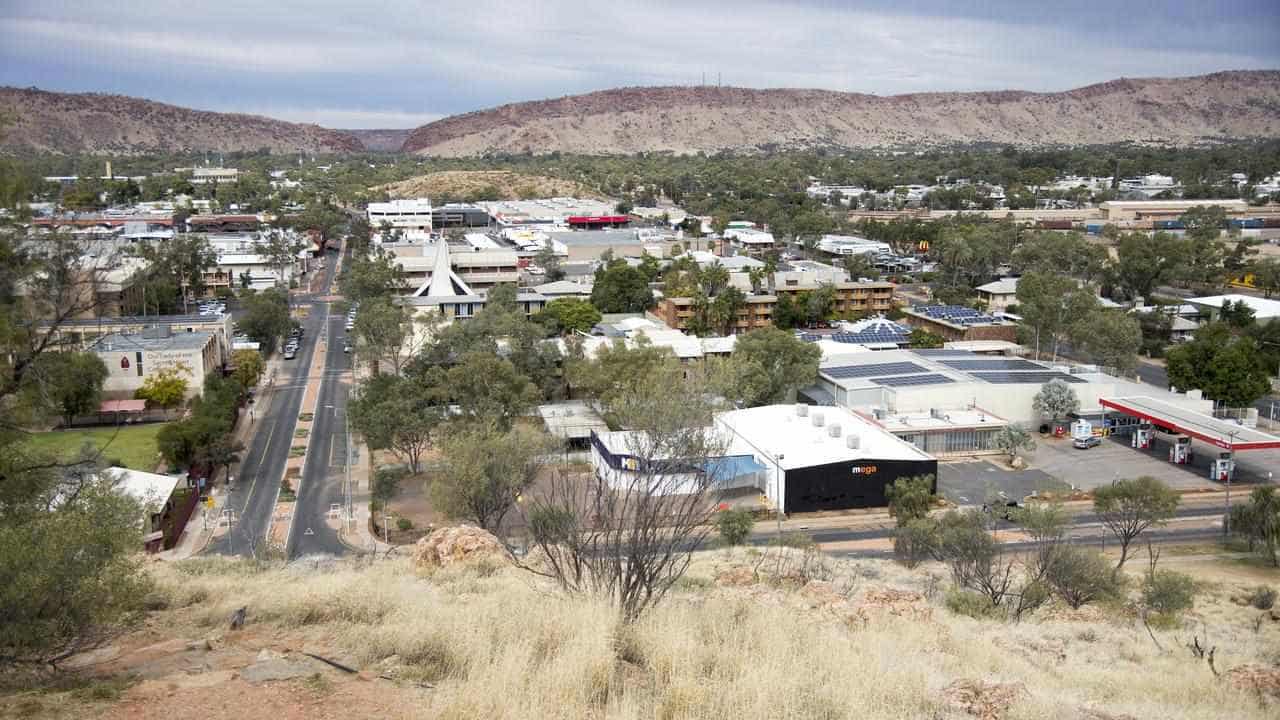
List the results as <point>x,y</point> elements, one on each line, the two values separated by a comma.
<point>395,62</point>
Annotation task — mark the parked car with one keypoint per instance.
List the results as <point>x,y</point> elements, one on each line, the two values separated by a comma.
<point>290,353</point>
<point>1085,443</point>
<point>346,347</point>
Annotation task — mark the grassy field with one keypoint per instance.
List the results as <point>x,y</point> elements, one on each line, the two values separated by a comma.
<point>134,446</point>
<point>490,641</point>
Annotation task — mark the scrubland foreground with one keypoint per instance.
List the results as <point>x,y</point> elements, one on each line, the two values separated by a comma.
<point>742,636</point>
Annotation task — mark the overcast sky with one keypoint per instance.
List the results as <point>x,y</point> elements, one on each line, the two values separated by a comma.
<point>399,63</point>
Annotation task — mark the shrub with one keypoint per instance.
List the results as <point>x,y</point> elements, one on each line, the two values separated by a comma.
<point>1168,592</point>
<point>1263,597</point>
<point>1081,576</point>
<point>969,604</point>
<point>915,542</point>
<point>734,525</point>
<point>404,524</point>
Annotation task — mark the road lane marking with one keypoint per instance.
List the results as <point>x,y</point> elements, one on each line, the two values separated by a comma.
<point>266,450</point>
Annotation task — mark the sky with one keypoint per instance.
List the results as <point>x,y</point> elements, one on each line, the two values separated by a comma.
<point>401,63</point>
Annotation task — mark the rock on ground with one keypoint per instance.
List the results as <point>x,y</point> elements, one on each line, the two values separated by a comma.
<point>1256,678</point>
<point>988,701</point>
<point>450,545</point>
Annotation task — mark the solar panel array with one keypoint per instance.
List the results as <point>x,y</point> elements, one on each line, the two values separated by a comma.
<point>871,337</point>
<point>957,314</point>
<point>866,371</point>
<point>1008,378</point>
<point>992,364</point>
<point>907,380</point>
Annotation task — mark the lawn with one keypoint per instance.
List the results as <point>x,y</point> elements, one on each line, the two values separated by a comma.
<point>133,446</point>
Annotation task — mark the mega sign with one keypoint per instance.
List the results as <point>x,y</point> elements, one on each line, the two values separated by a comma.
<point>864,469</point>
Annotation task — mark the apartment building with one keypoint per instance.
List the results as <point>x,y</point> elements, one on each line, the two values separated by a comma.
<point>850,298</point>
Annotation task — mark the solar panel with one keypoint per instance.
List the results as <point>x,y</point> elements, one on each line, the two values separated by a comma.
<point>992,364</point>
<point>1008,378</point>
<point>866,371</point>
<point>908,380</point>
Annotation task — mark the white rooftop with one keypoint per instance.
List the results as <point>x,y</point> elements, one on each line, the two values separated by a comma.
<point>777,430</point>
<point>150,489</point>
<point>1003,286</point>
<point>1263,309</point>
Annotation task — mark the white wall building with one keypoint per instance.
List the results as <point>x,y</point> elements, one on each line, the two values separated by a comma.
<point>403,215</point>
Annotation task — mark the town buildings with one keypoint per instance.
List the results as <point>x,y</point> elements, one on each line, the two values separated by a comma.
<point>131,358</point>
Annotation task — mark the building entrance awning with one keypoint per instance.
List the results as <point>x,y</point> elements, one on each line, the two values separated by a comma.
<point>1215,431</point>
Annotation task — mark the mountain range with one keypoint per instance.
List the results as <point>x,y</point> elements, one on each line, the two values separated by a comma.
<point>1186,111</point>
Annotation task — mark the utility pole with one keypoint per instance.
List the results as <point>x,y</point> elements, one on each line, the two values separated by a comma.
<point>1226,506</point>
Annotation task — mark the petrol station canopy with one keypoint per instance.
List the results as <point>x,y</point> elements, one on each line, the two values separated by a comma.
<point>1215,431</point>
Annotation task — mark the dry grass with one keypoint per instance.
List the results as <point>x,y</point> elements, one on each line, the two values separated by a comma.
<point>496,644</point>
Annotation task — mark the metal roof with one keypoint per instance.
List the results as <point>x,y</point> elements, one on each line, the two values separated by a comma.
<point>1216,431</point>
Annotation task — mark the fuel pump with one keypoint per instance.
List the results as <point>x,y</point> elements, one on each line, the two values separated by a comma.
<point>1223,467</point>
<point>1180,450</point>
<point>1141,437</point>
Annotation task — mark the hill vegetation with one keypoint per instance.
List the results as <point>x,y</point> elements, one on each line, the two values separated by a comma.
<point>689,120</point>
<point>476,185</point>
<point>97,123</point>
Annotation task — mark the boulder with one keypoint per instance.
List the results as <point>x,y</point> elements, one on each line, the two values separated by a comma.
<point>736,576</point>
<point>1255,678</point>
<point>451,545</point>
<point>988,701</point>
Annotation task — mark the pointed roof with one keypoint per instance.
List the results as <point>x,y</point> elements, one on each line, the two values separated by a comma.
<point>444,282</point>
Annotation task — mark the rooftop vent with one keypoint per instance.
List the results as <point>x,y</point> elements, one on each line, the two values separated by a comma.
<point>802,410</point>
<point>817,419</point>
<point>852,441</point>
<point>834,430</point>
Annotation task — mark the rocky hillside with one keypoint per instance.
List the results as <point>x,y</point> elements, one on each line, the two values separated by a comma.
<point>42,121</point>
<point>380,140</point>
<point>1181,111</point>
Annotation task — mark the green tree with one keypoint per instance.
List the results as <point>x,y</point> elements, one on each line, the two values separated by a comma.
<point>281,251</point>
<point>570,315</point>
<point>165,388</point>
<point>1051,304</point>
<point>248,366</point>
<point>1129,507</point>
<point>1013,440</point>
<point>1110,338</point>
<point>910,498</point>
<point>1144,261</point>
<point>767,366</point>
<point>734,526</point>
<point>372,276</point>
<point>383,331</point>
<point>620,288</point>
<point>1080,576</point>
<point>484,469</point>
<point>72,381</point>
<point>1055,400</point>
<point>1226,367</point>
<point>1259,521</point>
<point>860,266</point>
<point>490,389</point>
<point>397,413</point>
<point>266,317</point>
<point>547,259</point>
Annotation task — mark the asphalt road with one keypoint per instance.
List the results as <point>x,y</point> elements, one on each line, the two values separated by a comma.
<point>253,499</point>
<point>1085,529</point>
<point>325,468</point>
